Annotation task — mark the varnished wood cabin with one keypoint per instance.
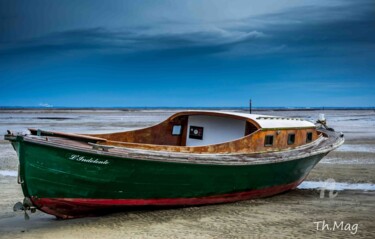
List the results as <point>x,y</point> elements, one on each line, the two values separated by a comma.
<point>217,132</point>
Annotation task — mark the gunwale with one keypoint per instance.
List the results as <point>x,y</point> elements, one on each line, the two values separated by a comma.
<point>323,145</point>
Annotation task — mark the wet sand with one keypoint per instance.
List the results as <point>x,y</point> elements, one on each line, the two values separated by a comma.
<point>289,215</point>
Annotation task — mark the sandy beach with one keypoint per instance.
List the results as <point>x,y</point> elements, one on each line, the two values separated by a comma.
<point>295,214</point>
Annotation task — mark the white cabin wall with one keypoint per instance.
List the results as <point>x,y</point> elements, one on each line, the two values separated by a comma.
<point>216,129</point>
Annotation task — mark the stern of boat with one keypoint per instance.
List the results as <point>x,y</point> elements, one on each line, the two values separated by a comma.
<point>27,205</point>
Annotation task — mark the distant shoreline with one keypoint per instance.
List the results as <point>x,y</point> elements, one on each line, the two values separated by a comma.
<point>130,109</point>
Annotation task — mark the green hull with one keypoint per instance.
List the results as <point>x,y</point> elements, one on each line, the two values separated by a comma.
<point>49,172</point>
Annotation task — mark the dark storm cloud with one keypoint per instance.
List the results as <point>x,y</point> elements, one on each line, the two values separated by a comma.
<point>116,42</point>
<point>307,30</point>
<point>354,23</point>
<point>316,30</point>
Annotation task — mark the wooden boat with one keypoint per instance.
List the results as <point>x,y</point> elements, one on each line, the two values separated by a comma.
<point>191,158</point>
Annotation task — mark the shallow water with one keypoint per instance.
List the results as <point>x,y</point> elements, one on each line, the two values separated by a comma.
<point>353,161</point>
<point>365,148</point>
<point>331,185</point>
<point>8,173</point>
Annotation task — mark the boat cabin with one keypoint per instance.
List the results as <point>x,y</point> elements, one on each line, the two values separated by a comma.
<point>218,132</point>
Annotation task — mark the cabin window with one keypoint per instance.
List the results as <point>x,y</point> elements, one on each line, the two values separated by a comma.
<point>268,140</point>
<point>176,130</point>
<point>309,137</point>
<point>291,138</point>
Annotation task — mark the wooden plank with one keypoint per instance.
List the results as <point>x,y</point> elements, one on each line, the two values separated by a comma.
<point>67,135</point>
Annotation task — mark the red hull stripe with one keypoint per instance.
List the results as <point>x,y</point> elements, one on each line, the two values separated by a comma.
<point>78,207</point>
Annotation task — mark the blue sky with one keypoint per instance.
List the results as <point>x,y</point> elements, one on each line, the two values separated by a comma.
<point>199,53</point>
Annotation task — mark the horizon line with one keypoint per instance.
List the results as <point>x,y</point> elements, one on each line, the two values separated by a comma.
<point>186,107</point>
